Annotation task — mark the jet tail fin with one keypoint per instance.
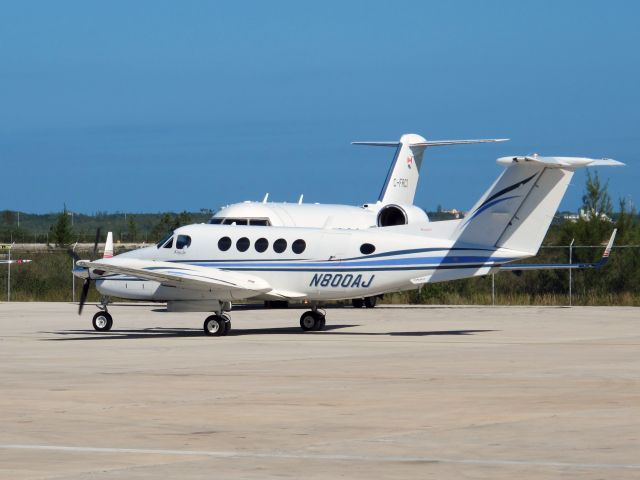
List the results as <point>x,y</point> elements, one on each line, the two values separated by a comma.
<point>402,179</point>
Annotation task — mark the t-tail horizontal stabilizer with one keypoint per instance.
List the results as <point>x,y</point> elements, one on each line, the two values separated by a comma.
<point>516,268</point>
<point>402,180</point>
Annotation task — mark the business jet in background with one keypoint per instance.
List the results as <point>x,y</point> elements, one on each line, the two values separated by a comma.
<point>204,268</point>
<point>393,207</point>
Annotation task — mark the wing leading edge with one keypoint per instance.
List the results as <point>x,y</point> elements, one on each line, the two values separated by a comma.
<point>213,280</point>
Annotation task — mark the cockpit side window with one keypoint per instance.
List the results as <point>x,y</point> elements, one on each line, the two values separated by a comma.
<point>183,241</point>
<point>216,221</point>
<point>169,243</point>
<point>164,240</point>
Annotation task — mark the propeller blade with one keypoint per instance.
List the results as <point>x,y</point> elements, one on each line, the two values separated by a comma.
<point>95,245</point>
<point>83,295</point>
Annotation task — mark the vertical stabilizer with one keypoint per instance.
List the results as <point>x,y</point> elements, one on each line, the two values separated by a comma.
<point>516,211</point>
<point>402,179</point>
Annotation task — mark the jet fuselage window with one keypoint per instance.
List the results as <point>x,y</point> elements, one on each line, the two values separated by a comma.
<point>237,221</point>
<point>243,244</point>
<point>260,222</point>
<point>183,241</point>
<point>261,245</point>
<point>224,244</point>
<point>298,246</point>
<point>280,245</point>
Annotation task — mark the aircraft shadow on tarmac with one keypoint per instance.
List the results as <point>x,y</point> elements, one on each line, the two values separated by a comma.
<point>159,332</point>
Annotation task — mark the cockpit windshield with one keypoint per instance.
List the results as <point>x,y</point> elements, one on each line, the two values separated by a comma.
<point>164,239</point>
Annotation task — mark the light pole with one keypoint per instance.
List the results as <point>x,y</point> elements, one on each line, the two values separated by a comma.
<point>570,270</point>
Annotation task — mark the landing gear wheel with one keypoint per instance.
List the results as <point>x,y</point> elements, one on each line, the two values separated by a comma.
<point>357,302</point>
<point>370,302</point>
<point>216,326</point>
<point>312,321</point>
<point>102,322</point>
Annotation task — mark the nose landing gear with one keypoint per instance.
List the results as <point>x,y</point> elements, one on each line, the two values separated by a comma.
<point>102,321</point>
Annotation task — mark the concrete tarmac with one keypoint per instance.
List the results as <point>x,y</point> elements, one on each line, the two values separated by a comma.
<point>416,392</point>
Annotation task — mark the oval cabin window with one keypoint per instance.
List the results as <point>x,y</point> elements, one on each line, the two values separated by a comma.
<point>261,245</point>
<point>224,244</point>
<point>280,245</point>
<point>367,249</point>
<point>243,244</point>
<point>298,246</point>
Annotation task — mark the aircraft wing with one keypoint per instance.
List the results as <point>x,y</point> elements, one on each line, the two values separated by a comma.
<point>564,266</point>
<point>182,275</point>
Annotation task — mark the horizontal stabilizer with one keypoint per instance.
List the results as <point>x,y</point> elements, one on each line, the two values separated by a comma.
<point>565,266</point>
<point>559,162</point>
<point>432,143</point>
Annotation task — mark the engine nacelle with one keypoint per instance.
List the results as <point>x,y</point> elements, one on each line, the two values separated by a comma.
<point>392,214</point>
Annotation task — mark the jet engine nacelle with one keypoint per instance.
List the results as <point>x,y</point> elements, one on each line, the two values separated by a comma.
<point>393,214</point>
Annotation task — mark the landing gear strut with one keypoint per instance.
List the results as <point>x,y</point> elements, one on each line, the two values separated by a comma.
<point>217,325</point>
<point>312,320</point>
<point>103,321</point>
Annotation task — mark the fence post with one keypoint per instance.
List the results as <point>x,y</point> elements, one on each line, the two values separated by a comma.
<point>570,272</point>
<point>493,289</point>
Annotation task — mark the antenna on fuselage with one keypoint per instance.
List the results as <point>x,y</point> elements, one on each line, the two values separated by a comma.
<point>300,199</point>
<point>266,197</point>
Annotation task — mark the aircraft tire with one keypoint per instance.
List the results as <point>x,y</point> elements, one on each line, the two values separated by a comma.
<point>102,322</point>
<point>370,302</point>
<point>215,326</point>
<point>357,302</point>
<point>312,321</point>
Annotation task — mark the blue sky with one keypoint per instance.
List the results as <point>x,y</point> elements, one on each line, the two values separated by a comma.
<point>153,106</point>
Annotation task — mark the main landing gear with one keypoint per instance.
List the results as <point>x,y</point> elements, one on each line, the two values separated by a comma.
<point>312,321</point>
<point>369,302</point>
<point>217,325</point>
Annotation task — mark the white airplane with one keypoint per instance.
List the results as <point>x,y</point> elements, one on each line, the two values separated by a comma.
<point>18,261</point>
<point>393,207</point>
<point>206,267</point>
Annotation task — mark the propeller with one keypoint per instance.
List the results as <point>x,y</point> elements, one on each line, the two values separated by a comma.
<point>87,281</point>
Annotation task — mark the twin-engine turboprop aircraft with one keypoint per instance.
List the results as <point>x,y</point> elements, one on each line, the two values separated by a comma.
<point>207,267</point>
